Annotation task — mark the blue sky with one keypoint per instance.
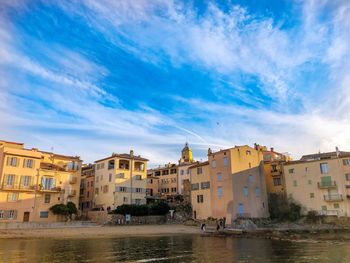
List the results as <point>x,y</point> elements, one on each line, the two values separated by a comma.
<point>94,77</point>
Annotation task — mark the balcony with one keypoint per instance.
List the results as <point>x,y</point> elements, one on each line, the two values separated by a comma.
<point>333,197</point>
<point>276,173</point>
<point>73,180</point>
<point>327,185</point>
<point>51,189</point>
<point>72,192</point>
<point>328,212</point>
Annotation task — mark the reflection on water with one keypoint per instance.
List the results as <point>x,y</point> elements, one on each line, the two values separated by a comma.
<point>186,248</point>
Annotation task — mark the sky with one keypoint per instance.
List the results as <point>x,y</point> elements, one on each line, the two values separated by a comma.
<point>90,78</point>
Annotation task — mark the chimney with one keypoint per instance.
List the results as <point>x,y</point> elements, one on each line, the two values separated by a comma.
<point>337,151</point>
<point>271,149</point>
<point>131,153</point>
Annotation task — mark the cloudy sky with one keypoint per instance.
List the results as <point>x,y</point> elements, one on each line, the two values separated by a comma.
<point>90,78</point>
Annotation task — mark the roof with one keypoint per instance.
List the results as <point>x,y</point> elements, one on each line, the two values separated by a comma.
<point>198,164</point>
<point>61,156</point>
<point>17,143</point>
<point>327,155</point>
<point>123,156</point>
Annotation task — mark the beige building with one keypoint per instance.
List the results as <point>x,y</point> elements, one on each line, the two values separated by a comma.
<point>87,187</point>
<point>120,179</point>
<point>174,179</point>
<point>238,183</point>
<point>31,181</point>
<point>201,191</point>
<point>320,182</point>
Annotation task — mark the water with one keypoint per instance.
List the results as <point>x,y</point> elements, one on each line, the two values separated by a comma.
<point>185,248</point>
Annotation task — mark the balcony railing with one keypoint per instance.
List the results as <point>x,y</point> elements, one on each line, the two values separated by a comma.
<point>328,212</point>
<point>50,189</point>
<point>276,172</point>
<point>333,197</point>
<point>327,185</point>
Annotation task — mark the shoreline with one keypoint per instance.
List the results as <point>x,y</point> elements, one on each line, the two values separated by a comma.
<point>96,232</point>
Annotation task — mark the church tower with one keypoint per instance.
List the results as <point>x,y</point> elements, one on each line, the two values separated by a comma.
<point>186,154</point>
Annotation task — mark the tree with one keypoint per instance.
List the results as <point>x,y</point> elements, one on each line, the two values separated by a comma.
<point>64,210</point>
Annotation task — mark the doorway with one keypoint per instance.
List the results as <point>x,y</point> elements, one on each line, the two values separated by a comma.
<point>26,216</point>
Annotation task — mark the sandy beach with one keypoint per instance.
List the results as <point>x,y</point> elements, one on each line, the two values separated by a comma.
<point>99,232</point>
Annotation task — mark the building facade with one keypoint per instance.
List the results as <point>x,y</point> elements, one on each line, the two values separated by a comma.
<point>201,191</point>
<point>320,182</point>
<point>32,181</point>
<point>86,197</point>
<point>120,179</point>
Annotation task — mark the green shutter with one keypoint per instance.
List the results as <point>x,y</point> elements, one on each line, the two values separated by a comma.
<point>326,181</point>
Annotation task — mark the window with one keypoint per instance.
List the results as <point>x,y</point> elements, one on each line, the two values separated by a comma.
<point>291,171</point>
<point>205,185</point>
<point>250,165</point>
<point>101,177</point>
<point>137,201</point>
<point>199,170</point>
<point>274,168</point>
<point>250,178</point>
<point>346,161</point>
<point>200,199</point>
<point>87,184</point>
<point>295,183</point>
<point>87,194</point>
<point>219,191</point>
<point>47,198</point>
<point>306,169</point>
<point>187,171</point>
<point>48,183</point>
<point>122,189</point>
<point>2,214</point>
<point>248,152</point>
<point>336,206</point>
<point>138,177</point>
<point>12,197</point>
<point>257,191</point>
<point>245,191</point>
<point>312,195</point>
<point>138,190</point>
<point>97,179</point>
<point>309,182</point>
<point>105,189</point>
<point>10,180</point>
<point>277,181</point>
<point>12,161</point>
<point>324,208</point>
<point>111,165</point>
<point>347,176</point>
<point>110,178</point>
<point>324,168</point>
<point>28,163</point>
<point>44,214</point>
<point>213,163</point>
<point>96,191</point>
<point>25,180</point>
<point>195,186</point>
<point>219,177</point>
<point>12,214</point>
<point>225,161</point>
<point>125,199</point>
<point>91,183</point>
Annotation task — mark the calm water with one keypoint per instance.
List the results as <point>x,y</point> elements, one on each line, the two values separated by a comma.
<point>185,248</point>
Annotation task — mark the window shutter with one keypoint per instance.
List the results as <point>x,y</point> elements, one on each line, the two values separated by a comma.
<point>8,161</point>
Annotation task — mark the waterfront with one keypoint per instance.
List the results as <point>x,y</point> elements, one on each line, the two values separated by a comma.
<point>171,248</point>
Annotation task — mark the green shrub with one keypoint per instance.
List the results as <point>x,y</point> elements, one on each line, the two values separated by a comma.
<point>59,209</point>
<point>281,209</point>
<point>157,208</point>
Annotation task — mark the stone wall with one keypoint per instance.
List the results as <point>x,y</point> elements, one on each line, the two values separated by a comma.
<point>35,225</point>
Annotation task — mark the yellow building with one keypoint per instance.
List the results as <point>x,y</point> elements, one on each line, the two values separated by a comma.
<point>273,170</point>
<point>320,182</point>
<point>200,192</point>
<point>120,179</point>
<point>32,181</point>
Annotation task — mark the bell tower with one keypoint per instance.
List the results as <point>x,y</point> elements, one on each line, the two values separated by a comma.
<point>186,154</point>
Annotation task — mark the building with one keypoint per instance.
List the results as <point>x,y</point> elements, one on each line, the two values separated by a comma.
<point>152,188</point>
<point>120,179</point>
<point>86,197</point>
<point>174,179</point>
<point>32,181</point>
<point>273,170</point>
<point>201,191</point>
<point>320,182</point>
<point>231,185</point>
